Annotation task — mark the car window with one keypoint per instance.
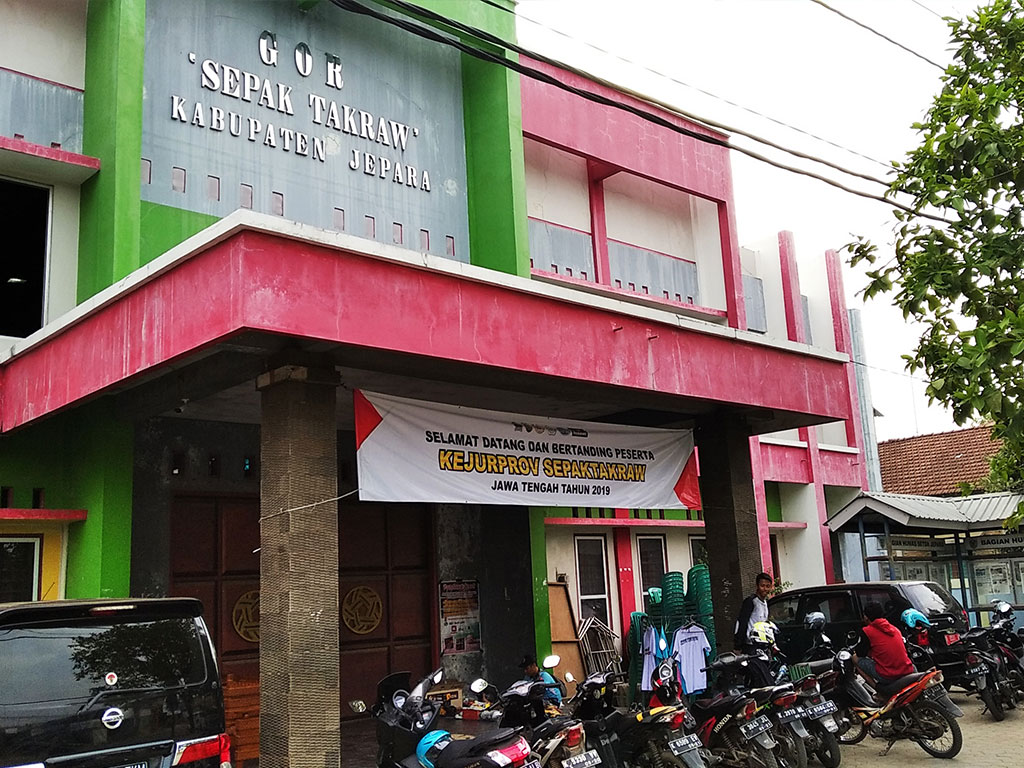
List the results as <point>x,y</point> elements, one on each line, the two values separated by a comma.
<point>51,664</point>
<point>892,602</point>
<point>783,611</point>
<point>932,599</point>
<point>837,606</point>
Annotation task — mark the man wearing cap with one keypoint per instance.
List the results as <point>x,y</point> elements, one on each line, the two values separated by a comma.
<point>535,674</point>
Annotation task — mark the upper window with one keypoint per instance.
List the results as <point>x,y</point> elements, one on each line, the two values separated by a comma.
<point>26,210</point>
<point>592,577</point>
<point>651,551</point>
<point>19,568</point>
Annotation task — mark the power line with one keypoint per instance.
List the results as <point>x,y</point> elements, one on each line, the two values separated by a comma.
<point>677,81</point>
<point>933,13</point>
<point>433,35</point>
<point>874,31</point>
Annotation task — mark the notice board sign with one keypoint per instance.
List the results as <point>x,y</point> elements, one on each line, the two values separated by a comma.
<point>460,616</point>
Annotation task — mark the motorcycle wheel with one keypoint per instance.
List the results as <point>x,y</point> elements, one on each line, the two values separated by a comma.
<point>792,752</point>
<point>759,757</point>
<point>949,740</point>
<point>856,732</point>
<point>993,702</point>
<point>828,752</point>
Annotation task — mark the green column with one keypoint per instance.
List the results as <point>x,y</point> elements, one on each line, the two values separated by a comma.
<point>112,131</point>
<point>539,563</point>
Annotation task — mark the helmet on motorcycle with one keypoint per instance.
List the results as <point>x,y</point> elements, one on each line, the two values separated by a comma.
<point>913,617</point>
<point>814,620</point>
<point>430,747</point>
<point>1002,610</point>
<point>763,632</point>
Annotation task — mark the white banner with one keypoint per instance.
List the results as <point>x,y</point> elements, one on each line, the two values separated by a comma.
<point>410,450</point>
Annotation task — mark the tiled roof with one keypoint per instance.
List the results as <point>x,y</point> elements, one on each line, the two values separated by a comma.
<point>935,465</point>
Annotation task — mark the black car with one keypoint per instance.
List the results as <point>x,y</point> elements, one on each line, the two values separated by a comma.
<point>109,684</point>
<point>843,607</point>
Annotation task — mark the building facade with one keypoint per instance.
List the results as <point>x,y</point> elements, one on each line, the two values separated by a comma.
<point>232,217</point>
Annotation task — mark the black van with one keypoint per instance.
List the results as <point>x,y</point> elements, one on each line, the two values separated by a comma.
<point>109,684</point>
<point>843,606</point>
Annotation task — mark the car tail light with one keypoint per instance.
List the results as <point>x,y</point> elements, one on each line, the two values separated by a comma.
<point>574,736</point>
<point>200,749</point>
<point>749,709</point>
<point>678,720</point>
<point>786,701</point>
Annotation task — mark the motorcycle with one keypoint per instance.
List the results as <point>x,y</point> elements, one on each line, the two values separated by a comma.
<point>406,737</point>
<point>915,707</point>
<point>731,729</point>
<point>987,667</point>
<point>652,738</point>
<point>813,678</point>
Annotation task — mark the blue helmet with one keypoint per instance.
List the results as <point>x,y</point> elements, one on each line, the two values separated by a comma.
<point>912,617</point>
<point>430,747</point>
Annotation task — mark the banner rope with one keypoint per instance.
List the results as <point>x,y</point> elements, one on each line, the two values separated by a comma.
<point>310,506</point>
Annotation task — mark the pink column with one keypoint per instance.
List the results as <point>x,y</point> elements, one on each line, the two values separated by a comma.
<point>624,570</point>
<point>596,174</point>
<point>760,504</point>
<point>791,289</point>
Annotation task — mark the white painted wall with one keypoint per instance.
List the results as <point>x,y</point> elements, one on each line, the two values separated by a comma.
<point>44,38</point>
<point>62,261</point>
<point>800,556</point>
<point>648,215</point>
<point>814,285</point>
<point>833,433</point>
<point>761,259</point>
<point>557,189</point>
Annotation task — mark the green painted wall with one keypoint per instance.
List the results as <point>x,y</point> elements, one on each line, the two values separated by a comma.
<point>112,131</point>
<point>773,502</point>
<point>81,460</point>
<point>539,561</point>
<point>163,227</point>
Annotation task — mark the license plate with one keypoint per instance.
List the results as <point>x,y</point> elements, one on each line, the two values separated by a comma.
<point>135,765</point>
<point>934,692</point>
<point>826,707</point>
<point>981,669</point>
<point>952,637</point>
<point>532,764</point>
<point>586,760</point>
<point>754,727</point>
<point>789,715</point>
<point>685,744</point>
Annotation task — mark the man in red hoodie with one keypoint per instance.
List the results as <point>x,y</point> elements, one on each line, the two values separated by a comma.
<point>882,652</point>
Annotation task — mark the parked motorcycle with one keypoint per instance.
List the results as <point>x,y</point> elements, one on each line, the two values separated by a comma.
<point>654,737</point>
<point>406,737</point>
<point>986,665</point>
<point>737,736</point>
<point>915,707</point>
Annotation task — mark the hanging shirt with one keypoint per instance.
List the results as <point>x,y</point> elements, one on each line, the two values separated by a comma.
<point>690,646</point>
<point>649,651</point>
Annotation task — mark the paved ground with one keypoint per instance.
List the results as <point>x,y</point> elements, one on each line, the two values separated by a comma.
<point>987,744</point>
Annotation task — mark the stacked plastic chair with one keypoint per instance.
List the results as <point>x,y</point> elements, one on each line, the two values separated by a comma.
<point>673,601</point>
<point>699,596</point>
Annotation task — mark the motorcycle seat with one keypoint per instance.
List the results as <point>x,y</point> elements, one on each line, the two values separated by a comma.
<point>480,744</point>
<point>817,667</point>
<point>720,702</point>
<point>549,728</point>
<point>889,688</point>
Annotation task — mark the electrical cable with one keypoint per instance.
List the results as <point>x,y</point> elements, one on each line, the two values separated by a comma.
<point>698,89</point>
<point>435,36</point>
<point>487,37</point>
<point>874,31</point>
<point>933,13</point>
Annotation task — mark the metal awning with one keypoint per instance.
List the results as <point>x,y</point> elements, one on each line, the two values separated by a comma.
<point>982,512</point>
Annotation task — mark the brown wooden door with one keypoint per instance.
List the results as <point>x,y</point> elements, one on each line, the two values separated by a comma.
<point>214,556</point>
<point>386,595</point>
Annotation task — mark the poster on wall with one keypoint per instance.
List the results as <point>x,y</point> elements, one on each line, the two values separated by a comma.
<point>460,617</point>
<point>411,450</point>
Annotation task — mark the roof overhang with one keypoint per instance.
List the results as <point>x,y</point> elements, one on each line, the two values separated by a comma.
<point>982,512</point>
<point>253,283</point>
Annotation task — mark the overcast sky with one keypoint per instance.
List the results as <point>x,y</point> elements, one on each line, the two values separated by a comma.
<point>801,64</point>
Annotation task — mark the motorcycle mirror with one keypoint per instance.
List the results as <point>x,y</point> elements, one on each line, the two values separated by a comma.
<point>569,677</point>
<point>552,661</point>
<point>437,677</point>
<point>478,686</point>
<point>358,706</point>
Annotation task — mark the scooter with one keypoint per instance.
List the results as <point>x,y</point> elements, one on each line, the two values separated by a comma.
<point>914,707</point>
<point>406,737</point>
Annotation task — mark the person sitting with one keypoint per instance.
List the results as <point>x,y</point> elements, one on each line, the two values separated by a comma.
<point>535,674</point>
<point>881,652</point>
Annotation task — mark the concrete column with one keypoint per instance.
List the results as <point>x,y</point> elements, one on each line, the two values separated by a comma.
<point>299,696</point>
<point>730,517</point>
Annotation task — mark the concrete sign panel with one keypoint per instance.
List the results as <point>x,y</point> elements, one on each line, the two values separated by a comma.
<point>322,116</point>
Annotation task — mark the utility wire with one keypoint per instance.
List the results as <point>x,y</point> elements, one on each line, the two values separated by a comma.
<point>700,90</point>
<point>431,34</point>
<point>933,13</point>
<point>874,31</point>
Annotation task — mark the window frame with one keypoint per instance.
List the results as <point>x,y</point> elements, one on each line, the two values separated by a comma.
<point>49,188</point>
<point>660,537</point>
<point>36,540</point>
<point>580,597</point>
